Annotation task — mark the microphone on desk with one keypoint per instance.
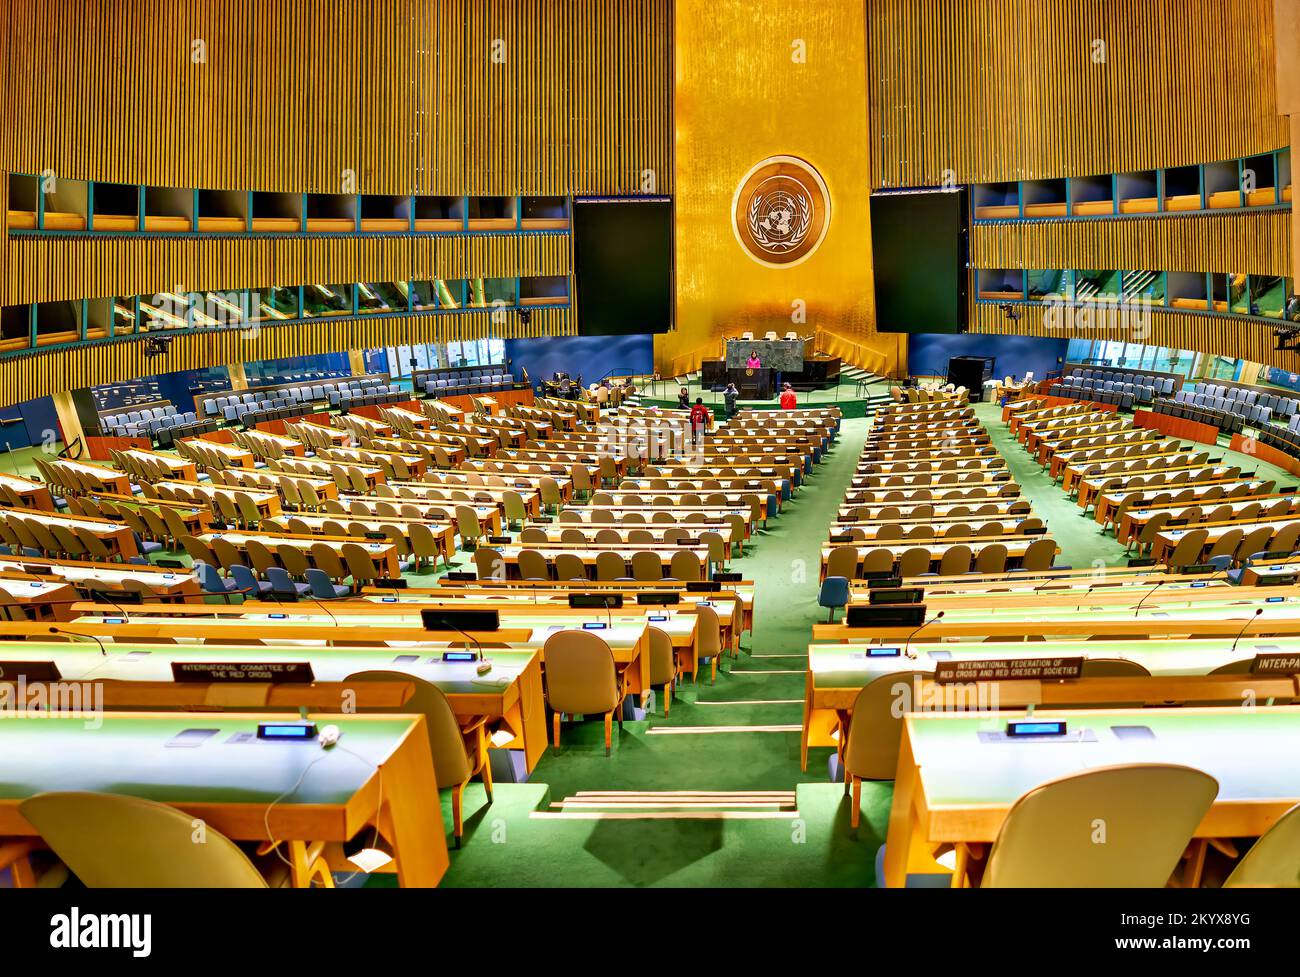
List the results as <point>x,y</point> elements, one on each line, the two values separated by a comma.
<point>1138,608</point>
<point>920,627</point>
<point>1041,586</point>
<point>98,594</point>
<point>478,647</point>
<point>1249,622</point>
<point>328,613</point>
<point>77,634</point>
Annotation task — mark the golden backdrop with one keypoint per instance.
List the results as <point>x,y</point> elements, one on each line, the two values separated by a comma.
<point>478,97</point>
<point>991,90</point>
<point>756,79</point>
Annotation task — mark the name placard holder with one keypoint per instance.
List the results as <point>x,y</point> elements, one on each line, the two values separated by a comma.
<point>1276,664</point>
<point>268,673</point>
<point>1007,669</point>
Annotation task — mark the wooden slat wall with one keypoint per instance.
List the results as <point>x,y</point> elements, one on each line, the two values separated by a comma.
<point>296,93</point>
<point>37,374</point>
<point>994,90</point>
<point>54,269</point>
<point>1217,335</point>
<point>1255,243</point>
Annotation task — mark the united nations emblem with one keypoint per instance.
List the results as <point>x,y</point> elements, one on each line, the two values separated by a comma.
<point>781,211</point>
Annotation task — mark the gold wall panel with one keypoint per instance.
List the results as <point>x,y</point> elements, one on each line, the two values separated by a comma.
<point>44,269</point>
<point>446,97</point>
<point>1253,243</point>
<point>40,373</point>
<point>994,90</point>
<point>1217,335</point>
<point>741,95</point>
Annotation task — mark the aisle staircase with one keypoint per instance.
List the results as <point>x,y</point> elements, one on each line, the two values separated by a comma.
<point>679,805</point>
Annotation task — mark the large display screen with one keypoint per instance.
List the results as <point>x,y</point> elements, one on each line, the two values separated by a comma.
<point>623,264</point>
<point>918,256</point>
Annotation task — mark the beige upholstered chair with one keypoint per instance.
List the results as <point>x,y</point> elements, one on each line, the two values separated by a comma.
<point>113,841</point>
<point>1049,837</point>
<point>875,728</point>
<point>582,679</point>
<point>663,664</point>
<point>460,749</point>
<point>1274,859</point>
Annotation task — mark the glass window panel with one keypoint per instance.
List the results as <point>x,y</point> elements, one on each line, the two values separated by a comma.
<point>424,296</point>
<point>326,300</point>
<point>381,297</point>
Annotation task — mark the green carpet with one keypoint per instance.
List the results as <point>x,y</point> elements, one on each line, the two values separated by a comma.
<point>763,687</point>
<point>804,842</point>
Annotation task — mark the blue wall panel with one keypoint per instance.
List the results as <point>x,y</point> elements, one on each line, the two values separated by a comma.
<point>591,356</point>
<point>928,353</point>
<point>33,419</point>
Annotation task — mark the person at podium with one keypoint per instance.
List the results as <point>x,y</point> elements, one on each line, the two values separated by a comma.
<point>753,363</point>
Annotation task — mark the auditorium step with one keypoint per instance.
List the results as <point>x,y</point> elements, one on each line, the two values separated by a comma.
<point>673,804</point>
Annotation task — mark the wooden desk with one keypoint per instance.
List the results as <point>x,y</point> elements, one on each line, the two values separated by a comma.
<point>384,555</point>
<point>117,537</point>
<point>1161,461</point>
<point>953,788</point>
<point>1090,487</point>
<point>1108,503</point>
<point>181,468</point>
<point>387,460</point>
<point>511,691</point>
<point>450,493</point>
<point>488,514</point>
<point>269,479</point>
<point>588,554</point>
<point>373,622</point>
<point>107,479</point>
<point>235,456</point>
<point>1133,521</point>
<point>838,672</point>
<point>86,576</point>
<point>444,532</point>
<point>1016,547</point>
<point>267,500</point>
<point>241,788</point>
<point>1164,542</point>
<point>885,495</point>
<point>37,494</point>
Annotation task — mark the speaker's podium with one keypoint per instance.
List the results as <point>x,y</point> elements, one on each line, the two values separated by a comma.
<point>753,383</point>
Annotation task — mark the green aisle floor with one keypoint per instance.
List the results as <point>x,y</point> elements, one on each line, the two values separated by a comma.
<point>787,838</point>
<point>712,794</point>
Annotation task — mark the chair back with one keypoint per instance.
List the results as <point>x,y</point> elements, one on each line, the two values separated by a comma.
<point>1274,860</point>
<point>876,726</point>
<point>114,841</point>
<point>661,657</point>
<point>451,762</point>
<point>834,592</point>
<point>579,672</point>
<point>1052,836</point>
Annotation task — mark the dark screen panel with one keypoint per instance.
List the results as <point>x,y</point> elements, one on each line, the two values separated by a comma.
<point>918,253</point>
<point>623,265</point>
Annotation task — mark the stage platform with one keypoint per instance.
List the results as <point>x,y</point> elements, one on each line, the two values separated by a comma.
<point>855,397</point>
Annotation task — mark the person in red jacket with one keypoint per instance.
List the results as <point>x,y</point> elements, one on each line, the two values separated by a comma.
<point>699,420</point>
<point>788,399</point>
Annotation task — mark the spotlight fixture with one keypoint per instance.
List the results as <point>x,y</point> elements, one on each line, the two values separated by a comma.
<point>525,316</point>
